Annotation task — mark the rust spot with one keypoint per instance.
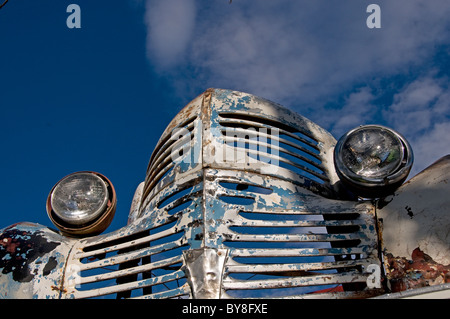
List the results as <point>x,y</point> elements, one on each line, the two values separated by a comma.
<point>19,248</point>
<point>328,290</point>
<point>56,288</point>
<point>419,271</point>
<point>9,245</point>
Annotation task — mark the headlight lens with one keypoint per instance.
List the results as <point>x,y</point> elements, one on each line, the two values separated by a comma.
<point>82,203</point>
<point>373,160</point>
<point>79,198</point>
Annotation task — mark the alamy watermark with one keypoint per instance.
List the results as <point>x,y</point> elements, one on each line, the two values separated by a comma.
<point>73,21</point>
<point>374,19</point>
<point>374,279</point>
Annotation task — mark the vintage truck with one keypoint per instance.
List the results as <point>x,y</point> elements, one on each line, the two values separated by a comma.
<point>243,198</point>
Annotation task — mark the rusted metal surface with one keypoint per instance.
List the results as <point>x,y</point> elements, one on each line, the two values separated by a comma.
<point>415,230</point>
<point>135,204</point>
<point>240,199</point>
<point>418,271</point>
<point>32,261</point>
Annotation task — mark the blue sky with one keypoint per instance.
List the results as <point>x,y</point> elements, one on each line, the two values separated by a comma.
<point>98,98</point>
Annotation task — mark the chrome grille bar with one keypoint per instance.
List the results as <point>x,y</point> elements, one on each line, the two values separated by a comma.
<point>131,285</point>
<point>296,252</point>
<point>121,258</point>
<point>135,270</point>
<point>294,281</point>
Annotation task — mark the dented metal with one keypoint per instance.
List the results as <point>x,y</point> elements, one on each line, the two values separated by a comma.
<point>32,262</point>
<point>240,200</point>
<point>415,225</point>
<point>204,268</point>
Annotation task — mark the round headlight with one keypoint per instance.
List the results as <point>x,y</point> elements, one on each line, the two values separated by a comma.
<point>373,160</point>
<point>82,203</point>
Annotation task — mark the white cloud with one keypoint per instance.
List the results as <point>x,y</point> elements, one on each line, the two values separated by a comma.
<point>170,26</point>
<point>291,50</point>
<point>308,55</point>
<point>357,110</point>
<point>431,146</point>
<point>421,112</point>
<point>413,107</point>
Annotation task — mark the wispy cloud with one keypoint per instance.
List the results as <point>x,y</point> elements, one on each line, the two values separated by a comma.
<point>356,109</point>
<point>170,26</point>
<point>421,110</point>
<point>419,104</point>
<point>317,57</point>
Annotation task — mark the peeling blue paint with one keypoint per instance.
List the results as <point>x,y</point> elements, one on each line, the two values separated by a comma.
<point>19,247</point>
<point>188,204</point>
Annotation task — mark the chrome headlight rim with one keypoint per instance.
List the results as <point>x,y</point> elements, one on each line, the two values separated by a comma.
<point>395,177</point>
<point>93,226</point>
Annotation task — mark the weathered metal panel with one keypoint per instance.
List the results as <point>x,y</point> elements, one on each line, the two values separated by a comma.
<point>122,264</point>
<point>415,230</point>
<point>238,119</point>
<point>32,261</point>
<point>240,199</point>
<point>204,268</point>
<point>295,226</point>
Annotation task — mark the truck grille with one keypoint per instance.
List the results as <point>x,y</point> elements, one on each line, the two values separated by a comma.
<point>145,264</point>
<point>272,142</point>
<point>303,251</point>
<point>291,253</point>
<point>142,260</point>
<point>245,191</point>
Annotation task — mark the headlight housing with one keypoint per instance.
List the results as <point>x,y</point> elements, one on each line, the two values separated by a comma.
<point>373,160</point>
<point>82,204</point>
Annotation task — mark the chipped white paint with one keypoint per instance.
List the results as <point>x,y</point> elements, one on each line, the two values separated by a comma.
<point>418,215</point>
<point>245,204</point>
